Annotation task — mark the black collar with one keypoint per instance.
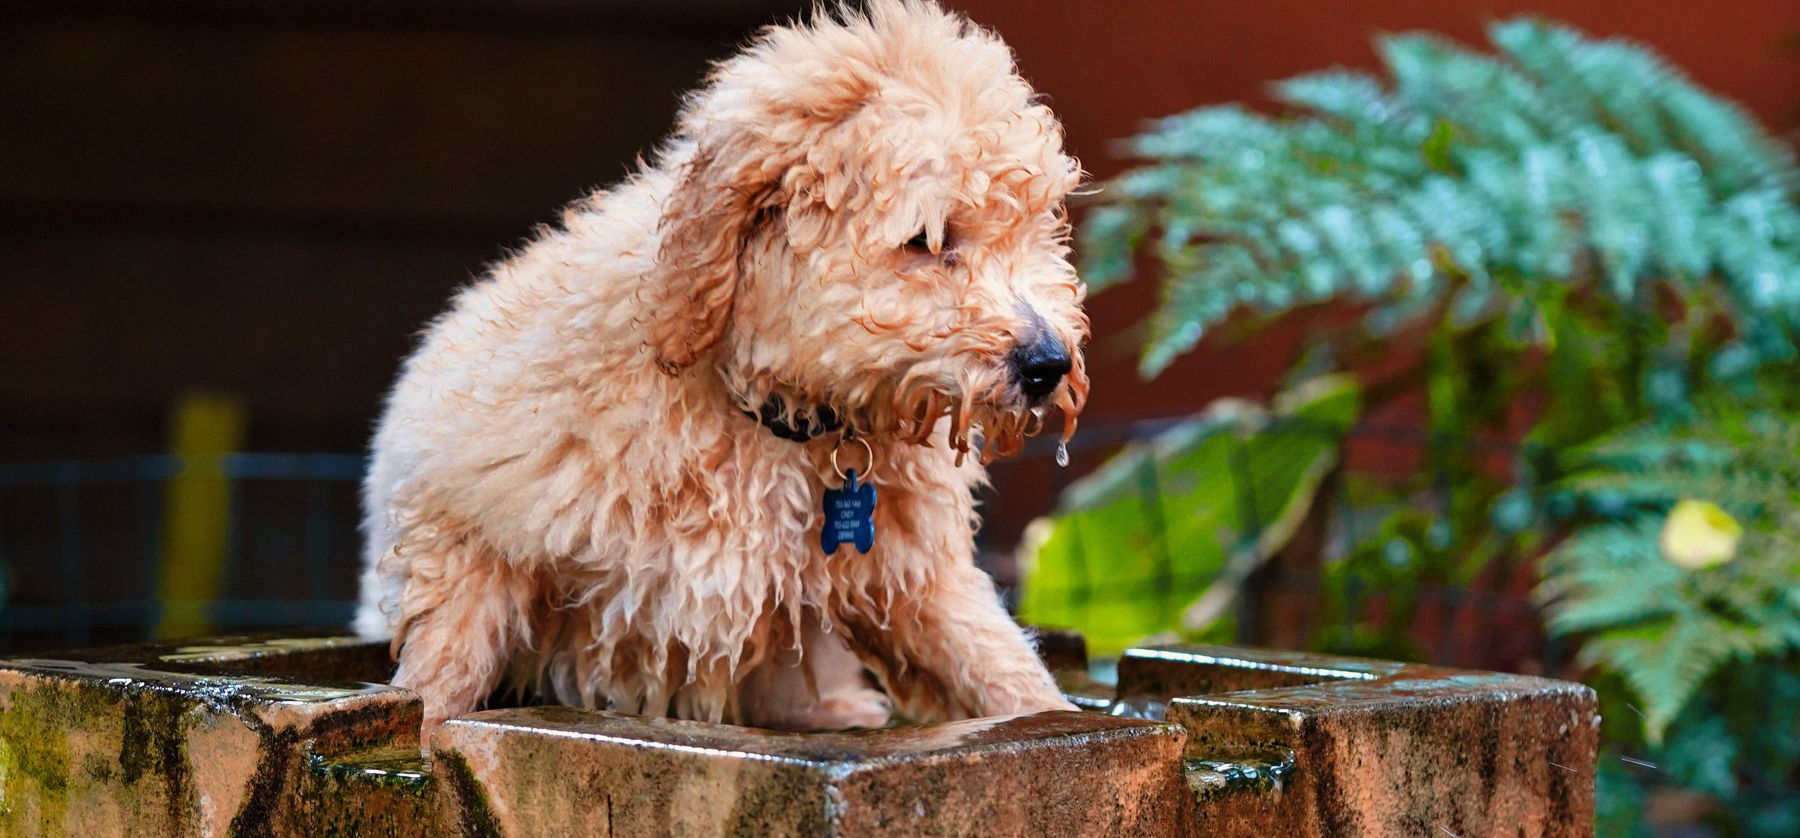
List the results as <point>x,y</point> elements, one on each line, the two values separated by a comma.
<point>804,426</point>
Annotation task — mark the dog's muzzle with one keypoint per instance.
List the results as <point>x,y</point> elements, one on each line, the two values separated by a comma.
<point>1039,365</point>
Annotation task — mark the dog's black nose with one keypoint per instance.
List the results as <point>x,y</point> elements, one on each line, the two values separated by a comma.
<point>1040,365</point>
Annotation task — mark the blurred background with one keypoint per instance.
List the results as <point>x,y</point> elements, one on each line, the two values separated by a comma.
<point>223,223</point>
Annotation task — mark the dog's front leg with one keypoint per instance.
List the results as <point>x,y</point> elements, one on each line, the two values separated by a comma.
<point>824,689</point>
<point>460,612</point>
<point>951,651</point>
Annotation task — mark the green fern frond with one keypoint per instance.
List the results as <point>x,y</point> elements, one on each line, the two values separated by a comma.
<point>1666,661</point>
<point>1582,579</point>
<point>1664,628</point>
<point>1557,161</point>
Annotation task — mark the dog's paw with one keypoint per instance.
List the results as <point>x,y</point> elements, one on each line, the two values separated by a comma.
<point>1059,704</point>
<point>1013,704</point>
<point>863,707</point>
<point>426,729</point>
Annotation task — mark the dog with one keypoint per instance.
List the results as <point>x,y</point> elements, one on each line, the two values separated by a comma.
<point>604,471</point>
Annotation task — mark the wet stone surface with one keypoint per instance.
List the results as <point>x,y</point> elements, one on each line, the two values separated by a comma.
<point>296,735</point>
<point>1055,773</point>
<point>1258,774</point>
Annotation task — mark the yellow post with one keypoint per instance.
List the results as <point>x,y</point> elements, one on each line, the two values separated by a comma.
<point>197,511</point>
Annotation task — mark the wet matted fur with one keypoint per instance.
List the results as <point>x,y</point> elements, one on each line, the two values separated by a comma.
<point>858,217</point>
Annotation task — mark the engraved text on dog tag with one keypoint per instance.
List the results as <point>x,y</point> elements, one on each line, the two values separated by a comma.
<point>849,516</point>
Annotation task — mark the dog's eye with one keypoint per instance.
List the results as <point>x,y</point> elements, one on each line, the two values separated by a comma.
<point>920,245</point>
<point>919,242</point>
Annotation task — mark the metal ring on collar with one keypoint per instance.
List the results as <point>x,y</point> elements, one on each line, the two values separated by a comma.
<point>867,449</point>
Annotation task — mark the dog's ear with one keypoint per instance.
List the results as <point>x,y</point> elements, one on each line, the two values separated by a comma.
<point>705,221</point>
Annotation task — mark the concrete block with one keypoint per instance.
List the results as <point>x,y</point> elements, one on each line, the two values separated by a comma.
<point>294,735</point>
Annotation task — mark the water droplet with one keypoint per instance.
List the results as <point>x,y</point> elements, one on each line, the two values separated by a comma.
<point>1062,454</point>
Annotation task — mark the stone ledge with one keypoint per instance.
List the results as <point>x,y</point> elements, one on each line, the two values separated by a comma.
<point>289,735</point>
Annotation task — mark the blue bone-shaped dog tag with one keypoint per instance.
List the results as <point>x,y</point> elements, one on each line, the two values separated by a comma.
<point>849,516</point>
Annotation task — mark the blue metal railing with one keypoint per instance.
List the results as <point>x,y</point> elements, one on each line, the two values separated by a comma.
<point>295,563</point>
<point>67,611</point>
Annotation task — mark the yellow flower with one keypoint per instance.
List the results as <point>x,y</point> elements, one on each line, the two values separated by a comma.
<point>1700,535</point>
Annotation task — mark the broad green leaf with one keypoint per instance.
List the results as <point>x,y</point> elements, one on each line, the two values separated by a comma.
<point>1157,540</point>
